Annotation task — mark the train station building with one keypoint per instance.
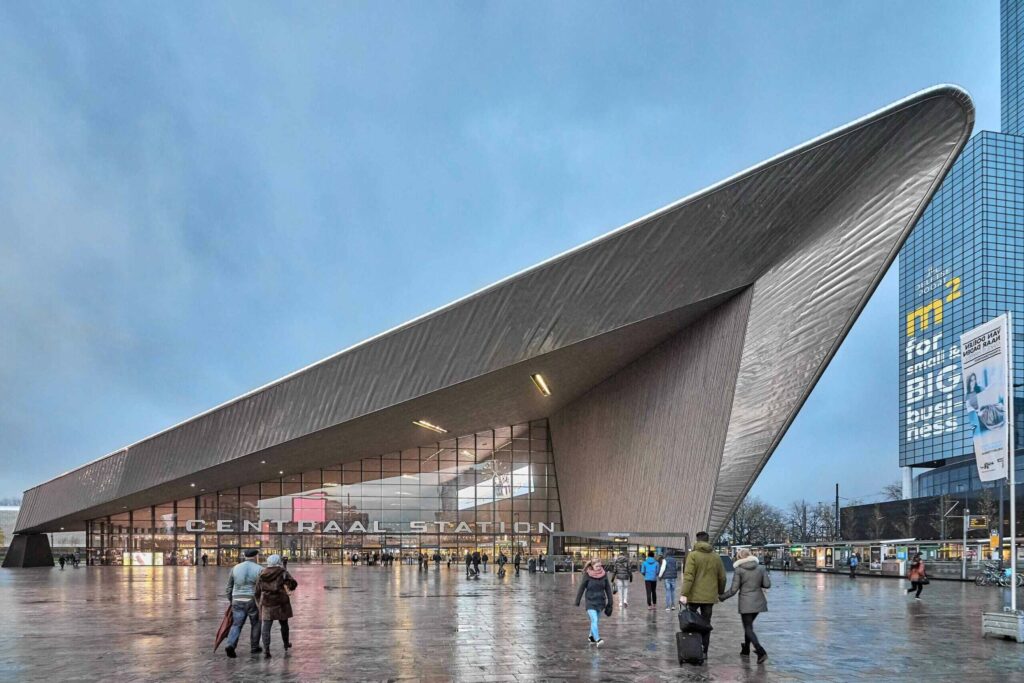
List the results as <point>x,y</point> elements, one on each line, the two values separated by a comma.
<point>628,391</point>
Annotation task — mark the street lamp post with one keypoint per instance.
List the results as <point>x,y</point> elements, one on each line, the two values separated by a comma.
<point>963,554</point>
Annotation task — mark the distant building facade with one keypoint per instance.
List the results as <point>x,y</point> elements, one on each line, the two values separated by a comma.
<point>963,265</point>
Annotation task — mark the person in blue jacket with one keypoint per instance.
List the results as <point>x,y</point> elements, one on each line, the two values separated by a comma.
<point>649,570</point>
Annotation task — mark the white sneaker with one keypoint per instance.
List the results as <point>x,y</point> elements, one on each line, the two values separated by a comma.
<point>600,642</point>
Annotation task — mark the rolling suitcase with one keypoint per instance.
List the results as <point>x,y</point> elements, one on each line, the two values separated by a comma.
<point>690,647</point>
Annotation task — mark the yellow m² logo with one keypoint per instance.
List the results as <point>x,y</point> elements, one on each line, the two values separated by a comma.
<point>920,318</point>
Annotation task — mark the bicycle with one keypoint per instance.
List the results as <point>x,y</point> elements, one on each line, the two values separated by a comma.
<point>990,575</point>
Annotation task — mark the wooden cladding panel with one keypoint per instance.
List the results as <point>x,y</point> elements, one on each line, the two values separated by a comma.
<point>641,450</point>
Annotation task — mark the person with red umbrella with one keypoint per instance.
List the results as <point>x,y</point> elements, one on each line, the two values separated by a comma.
<point>241,591</point>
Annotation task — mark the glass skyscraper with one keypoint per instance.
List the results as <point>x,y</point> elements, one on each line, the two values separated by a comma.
<point>963,265</point>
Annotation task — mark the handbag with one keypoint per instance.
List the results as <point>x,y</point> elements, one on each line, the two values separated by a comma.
<point>693,622</point>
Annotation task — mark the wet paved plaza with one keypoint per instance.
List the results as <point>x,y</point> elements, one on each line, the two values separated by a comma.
<point>370,623</point>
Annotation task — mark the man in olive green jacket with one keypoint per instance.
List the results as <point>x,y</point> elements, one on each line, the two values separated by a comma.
<point>703,581</point>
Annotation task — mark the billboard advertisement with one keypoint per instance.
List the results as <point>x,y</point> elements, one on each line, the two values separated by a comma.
<point>984,355</point>
<point>930,363</point>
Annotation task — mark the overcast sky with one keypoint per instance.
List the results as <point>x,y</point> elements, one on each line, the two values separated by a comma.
<point>198,198</point>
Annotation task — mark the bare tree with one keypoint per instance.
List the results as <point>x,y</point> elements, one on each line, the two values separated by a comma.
<point>877,523</point>
<point>823,522</point>
<point>893,491</point>
<point>909,518</point>
<point>798,520</point>
<point>938,523</point>
<point>755,523</point>
<point>986,505</point>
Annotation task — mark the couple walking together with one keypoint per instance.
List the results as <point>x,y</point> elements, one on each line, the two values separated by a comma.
<point>259,595</point>
<point>703,586</point>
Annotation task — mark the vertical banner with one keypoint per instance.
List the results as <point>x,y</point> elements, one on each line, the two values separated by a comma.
<point>985,359</point>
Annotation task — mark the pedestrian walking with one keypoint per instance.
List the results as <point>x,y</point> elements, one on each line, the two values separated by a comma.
<point>918,577</point>
<point>204,558</point>
<point>542,562</point>
<point>749,580</point>
<point>476,564</point>
<point>598,589</point>
<point>622,572</point>
<point>484,558</point>
<point>854,561</point>
<point>703,582</point>
<point>284,561</point>
<point>649,570</point>
<point>469,564</point>
<point>667,573</point>
<point>437,560</point>
<point>61,560</point>
<point>502,561</point>
<point>517,561</point>
<point>273,594</point>
<point>241,592</point>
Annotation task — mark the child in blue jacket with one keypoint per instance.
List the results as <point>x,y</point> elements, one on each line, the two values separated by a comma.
<point>649,570</point>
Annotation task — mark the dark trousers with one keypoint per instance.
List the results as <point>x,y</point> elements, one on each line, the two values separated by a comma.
<point>267,623</point>
<point>853,571</point>
<point>240,611</point>
<point>915,585</point>
<point>705,611</point>
<point>652,592</point>
<point>749,637</point>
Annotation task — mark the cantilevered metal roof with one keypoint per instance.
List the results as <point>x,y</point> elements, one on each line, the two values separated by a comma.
<point>807,234</point>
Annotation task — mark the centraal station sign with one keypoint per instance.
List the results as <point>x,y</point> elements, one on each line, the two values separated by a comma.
<point>199,526</point>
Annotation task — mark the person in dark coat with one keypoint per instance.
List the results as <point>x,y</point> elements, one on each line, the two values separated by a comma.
<point>622,572</point>
<point>749,580</point>
<point>598,589</point>
<point>476,563</point>
<point>273,590</point>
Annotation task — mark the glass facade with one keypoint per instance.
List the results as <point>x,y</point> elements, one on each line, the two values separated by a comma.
<point>962,266</point>
<point>490,491</point>
<point>1011,43</point>
<point>955,479</point>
